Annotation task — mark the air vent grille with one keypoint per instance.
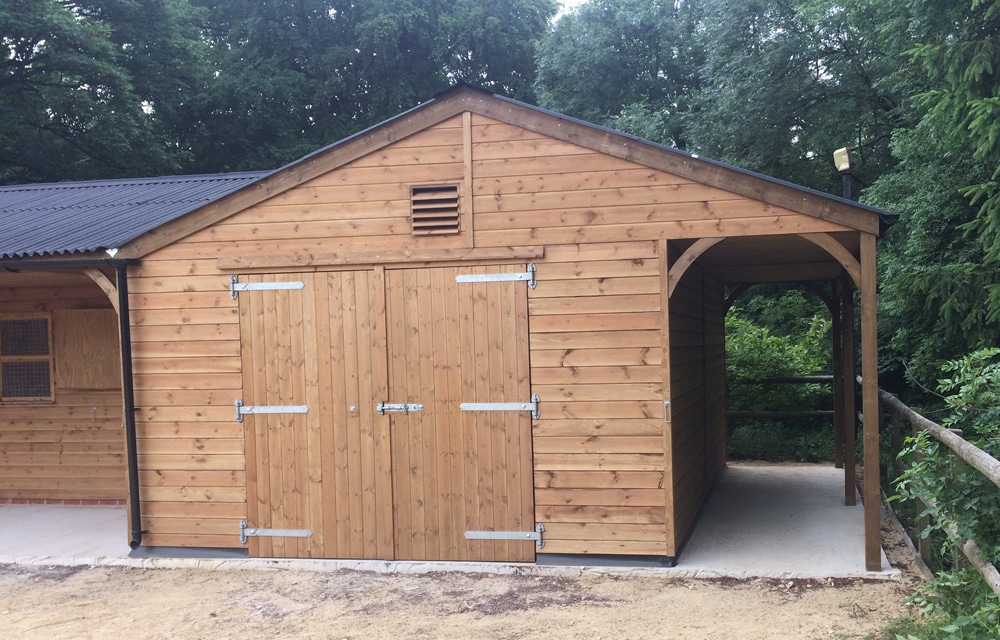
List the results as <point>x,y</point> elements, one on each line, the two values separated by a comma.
<point>435,210</point>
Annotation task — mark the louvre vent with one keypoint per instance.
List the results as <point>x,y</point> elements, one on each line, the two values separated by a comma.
<point>435,210</point>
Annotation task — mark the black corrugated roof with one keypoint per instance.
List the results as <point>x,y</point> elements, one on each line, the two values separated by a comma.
<point>80,217</point>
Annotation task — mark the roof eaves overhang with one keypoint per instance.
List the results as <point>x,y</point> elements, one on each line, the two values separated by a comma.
<point>70,261</point>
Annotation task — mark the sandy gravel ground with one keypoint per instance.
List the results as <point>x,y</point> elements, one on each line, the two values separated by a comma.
<point>71,603</point>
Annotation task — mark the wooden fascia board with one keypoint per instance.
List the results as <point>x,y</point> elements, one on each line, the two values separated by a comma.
<point>293,175</point>
<point>677,163</point>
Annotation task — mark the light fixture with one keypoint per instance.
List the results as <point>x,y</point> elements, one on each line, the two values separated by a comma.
<point>843,160</point>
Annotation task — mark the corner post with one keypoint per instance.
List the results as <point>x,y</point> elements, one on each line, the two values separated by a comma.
<point>849,417</point>
<point>870,403</point>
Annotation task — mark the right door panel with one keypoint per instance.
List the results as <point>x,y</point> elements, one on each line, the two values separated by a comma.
<point>456,471</point>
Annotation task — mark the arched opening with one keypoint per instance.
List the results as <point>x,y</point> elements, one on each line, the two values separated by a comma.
<point>714,275</point>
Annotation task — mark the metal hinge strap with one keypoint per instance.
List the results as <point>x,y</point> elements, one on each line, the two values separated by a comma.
<point>247,532</point>
<point>389,407</point>
<point>235,287</point>
<point>535,535</point>
<point>504,406</point>
<point>529,277</point>
<point>242,410</point>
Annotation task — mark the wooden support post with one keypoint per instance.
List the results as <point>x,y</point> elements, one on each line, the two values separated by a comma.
<point>838,376</point>
<point>847,393</point>
<point>870,404</point>
<point>668,479</point>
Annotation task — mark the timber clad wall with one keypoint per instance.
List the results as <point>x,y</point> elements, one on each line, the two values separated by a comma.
<point>603,467</point>
<point>71,448</point>
<point>697,340</point>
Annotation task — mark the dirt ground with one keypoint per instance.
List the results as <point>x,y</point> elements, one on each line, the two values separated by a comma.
<point>72,603</point>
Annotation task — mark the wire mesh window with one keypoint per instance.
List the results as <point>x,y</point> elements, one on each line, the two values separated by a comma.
<point>25,359</point>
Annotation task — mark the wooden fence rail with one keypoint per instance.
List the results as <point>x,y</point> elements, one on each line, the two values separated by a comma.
<point>975,457</point>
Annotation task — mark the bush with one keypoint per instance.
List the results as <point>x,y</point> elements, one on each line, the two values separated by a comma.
<point>754,353</point>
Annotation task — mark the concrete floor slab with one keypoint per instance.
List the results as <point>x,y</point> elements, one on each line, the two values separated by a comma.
<point>56,531</point>
<point>781,521</point>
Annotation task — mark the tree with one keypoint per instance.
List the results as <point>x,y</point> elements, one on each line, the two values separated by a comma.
<point>296,75</point>
<point>626,64</point>
<point>785,84</point>
<point>89,90</point>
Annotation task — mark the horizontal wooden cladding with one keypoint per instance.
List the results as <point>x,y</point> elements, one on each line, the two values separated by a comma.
<point>632,303</point>
<point>191,461</point>
<point>599,514</point>
<point>596,322</point>
<point>185,429</point>
<point>607,391</point>
<point>576,357</point>
<point>180,478</point>
<point>190,446</point>
<point>70,449</point>
<point>599,444</point>
<point>618,531</point>
<point>180,540</point>
<point>576,375</point>
<point>194,526</point>
<point>594,339</point>
<point>606,547</point>
<point>603,251</point>
<point>512,206</point>
<point>188,397</point>
<point>581,287</point>
<point>718,228</point>
<point>174,380</point>
<point>174,318</point>
<point>237,495</point>
<point>599,461</point>
<point>599,480</point>
<point>601,409</point>
<point>183,510</point>
<point>600,497</point>
<point>598,427</point>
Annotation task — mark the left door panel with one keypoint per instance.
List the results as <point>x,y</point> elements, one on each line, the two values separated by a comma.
<point>327,470</point>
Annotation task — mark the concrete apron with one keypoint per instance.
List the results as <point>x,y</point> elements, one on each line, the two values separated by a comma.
<point>771,521</point>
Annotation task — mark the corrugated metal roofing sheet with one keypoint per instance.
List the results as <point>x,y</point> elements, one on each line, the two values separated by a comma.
<point>80,217</point>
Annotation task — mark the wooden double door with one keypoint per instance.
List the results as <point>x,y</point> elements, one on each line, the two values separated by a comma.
<point>399,484</point>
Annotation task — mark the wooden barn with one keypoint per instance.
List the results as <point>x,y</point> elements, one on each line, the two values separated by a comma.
<point>476,331</point>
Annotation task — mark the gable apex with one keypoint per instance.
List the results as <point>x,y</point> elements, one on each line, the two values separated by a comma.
<point>466,98</point>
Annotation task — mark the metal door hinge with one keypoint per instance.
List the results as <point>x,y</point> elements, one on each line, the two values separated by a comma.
<point>666,411</point>
<point>535,535</point>
<point>528,276</point>
<point>242,410</point>
<point>246,532</point>
<point>505,406</point>
<point>235,286</point>
<point>389,407</point>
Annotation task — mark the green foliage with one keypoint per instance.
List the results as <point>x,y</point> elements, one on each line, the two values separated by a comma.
<point>784,84</point>
<point>934,285</point>
<point>780,442</point>
<point>962,63</point>
<point>74,81</point>
<point>628,64</point>
<point>291,77</point>
<point>753,353</point>
<point>963,496</point>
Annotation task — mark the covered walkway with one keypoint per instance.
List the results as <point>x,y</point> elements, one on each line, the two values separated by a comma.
<point>783,521</point>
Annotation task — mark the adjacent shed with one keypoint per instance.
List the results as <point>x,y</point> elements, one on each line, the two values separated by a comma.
<point>476,331</point>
